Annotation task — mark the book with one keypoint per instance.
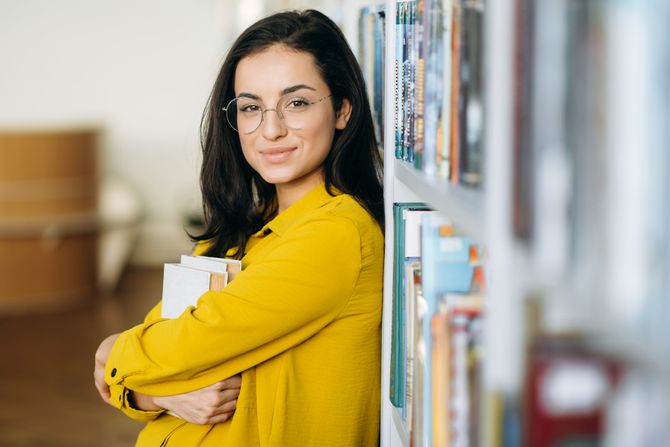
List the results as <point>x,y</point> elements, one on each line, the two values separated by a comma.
<point>399,81</point>
<point>233,266</point>
<point>417,411</point>
<point>407,247</point>
<point>419,84</point>
<point>448,264</point>
<point>433,55</point>
<point>408,81</point>
<point>456,358</point>
<point>567,389</point>
<point>371,48</point>
<point>455,107</point>
<point>185,282</point>
<point>443,137</point>
<point>413,305</point>
<point>471,102</point>
<point>439,325</point>
<point>379,72</point>
<point>523,175</point>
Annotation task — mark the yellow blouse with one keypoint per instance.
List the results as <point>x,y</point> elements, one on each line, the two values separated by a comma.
<point>301,322</point>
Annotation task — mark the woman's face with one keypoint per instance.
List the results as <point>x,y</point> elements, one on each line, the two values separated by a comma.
<point>287,152</point>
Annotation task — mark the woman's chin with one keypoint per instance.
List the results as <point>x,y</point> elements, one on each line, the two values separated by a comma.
<point>277,179</point>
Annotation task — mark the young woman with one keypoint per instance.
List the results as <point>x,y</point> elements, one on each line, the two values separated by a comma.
<point>291,181</point>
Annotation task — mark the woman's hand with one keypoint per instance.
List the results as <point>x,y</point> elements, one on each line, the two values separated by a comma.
<point>210,405</point>
<point>101,356</point>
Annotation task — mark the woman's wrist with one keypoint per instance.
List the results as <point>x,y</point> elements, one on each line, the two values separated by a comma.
<point>143,402</point>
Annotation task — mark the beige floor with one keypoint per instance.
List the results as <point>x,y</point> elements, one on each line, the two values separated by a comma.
<point>47,397</point>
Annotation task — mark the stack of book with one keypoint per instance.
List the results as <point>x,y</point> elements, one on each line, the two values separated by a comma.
<point>185,282</point>
<point>436,350</point>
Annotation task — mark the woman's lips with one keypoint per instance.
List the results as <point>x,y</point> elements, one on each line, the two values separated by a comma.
<point>277,155</point>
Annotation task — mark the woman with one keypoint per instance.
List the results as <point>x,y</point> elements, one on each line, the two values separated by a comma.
<point>291,182</point>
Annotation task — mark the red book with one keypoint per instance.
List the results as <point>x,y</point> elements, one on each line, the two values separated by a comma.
<point>566,394</point>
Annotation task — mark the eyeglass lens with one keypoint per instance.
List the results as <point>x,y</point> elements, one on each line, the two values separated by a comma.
<point>245,114</point>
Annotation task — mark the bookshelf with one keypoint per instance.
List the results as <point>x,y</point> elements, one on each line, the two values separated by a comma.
<point>585,103</point>
<point>482,214</point>
<point>465,206</point>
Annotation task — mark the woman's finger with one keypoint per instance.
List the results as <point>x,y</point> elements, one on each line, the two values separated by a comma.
<point>232,382</point>
<point>228,395</point>
<point>223,417</point>
<point>229,406</point>
<point>100,385</point>
<point>104,393</point>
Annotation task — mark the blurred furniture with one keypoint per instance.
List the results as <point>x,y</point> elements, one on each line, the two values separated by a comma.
<point>48,219</point>
<point>120,212</point>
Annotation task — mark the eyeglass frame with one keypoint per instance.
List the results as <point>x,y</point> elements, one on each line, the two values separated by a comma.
<point>275,109</point>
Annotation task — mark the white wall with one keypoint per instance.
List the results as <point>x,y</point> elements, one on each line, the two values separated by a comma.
<point>141,69</point>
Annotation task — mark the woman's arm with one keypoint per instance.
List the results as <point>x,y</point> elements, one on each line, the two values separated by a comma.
<point>101,356</point>
<point>210,405</point>
<point>287,294</point>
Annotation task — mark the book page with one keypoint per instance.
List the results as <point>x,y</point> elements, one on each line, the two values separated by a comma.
<point>204,263</point>
<point>234,265</point>
<point>182,286</point>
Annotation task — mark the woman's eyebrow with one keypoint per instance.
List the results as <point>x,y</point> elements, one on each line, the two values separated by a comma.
<point>296,88</point>
<point>248,95</point>
<point>286,91</point>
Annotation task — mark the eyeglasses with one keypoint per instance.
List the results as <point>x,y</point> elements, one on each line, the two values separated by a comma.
<point>245,115</point>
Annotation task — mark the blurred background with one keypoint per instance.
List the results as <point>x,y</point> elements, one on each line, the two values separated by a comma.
<point>139,73</point>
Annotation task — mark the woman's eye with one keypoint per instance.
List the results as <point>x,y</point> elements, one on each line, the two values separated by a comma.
<point>297,103</point>
<point>249,108</point>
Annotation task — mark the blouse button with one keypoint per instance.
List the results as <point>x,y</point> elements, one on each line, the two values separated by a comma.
<point>113,373</point>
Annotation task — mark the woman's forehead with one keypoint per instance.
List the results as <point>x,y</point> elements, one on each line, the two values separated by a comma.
<point>277,70</point>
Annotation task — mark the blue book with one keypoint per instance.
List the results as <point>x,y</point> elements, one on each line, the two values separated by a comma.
<point>446,268</point>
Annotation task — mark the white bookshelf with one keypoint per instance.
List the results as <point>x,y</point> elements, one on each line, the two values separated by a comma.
<point>651,355</point>
<point>516,270</point>
<point>482,214</point>
<point>400,433</point>
<point>465,206</point>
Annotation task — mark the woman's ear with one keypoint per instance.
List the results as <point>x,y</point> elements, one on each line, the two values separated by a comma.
<point>343,114</point>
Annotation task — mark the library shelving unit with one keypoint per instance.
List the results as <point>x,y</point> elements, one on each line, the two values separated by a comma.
<point>598,261</point>
<point>482,214</point>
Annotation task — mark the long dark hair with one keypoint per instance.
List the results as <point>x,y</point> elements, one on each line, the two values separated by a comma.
<point>237,202</point>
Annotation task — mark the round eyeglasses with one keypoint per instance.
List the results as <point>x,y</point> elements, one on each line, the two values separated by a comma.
<point>245,115</point>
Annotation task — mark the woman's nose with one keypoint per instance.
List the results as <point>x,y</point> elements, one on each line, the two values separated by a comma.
<point>272,125</point>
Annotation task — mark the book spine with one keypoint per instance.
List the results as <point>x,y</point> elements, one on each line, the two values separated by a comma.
<point>455,112</point>
<point>217,281</point>
<point>444,130</point>
<point>440,378</point>
<point>408,98</point>
<point>471,126</point>
<point>407,246</point>
<point>399,82</point>
<point>413,285</point>
<point>395,392</point>
<point>379,70</point>
<point>433,84</point>
<point>419,82</point>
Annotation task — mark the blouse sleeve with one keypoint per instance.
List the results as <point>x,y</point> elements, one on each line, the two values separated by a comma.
<point>119,396</point>
<point>280,300</point>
